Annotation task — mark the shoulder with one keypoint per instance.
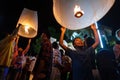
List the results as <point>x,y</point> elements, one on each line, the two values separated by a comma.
<point>70,50</point>
<point>90,49</point>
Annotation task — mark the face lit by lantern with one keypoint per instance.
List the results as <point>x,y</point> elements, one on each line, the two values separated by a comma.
<point>29,23</point>
<point>72,17</point>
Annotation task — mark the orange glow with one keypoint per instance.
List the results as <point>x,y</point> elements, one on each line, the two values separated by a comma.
<point>26,29</point>
<point>78,12</point>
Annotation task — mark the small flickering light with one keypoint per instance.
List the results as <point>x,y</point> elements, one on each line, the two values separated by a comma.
<point>78,12</point>
<point>26,29</point>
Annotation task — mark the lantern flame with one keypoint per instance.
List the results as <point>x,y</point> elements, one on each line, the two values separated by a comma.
<point>26,29</point>
<point>78,12</point>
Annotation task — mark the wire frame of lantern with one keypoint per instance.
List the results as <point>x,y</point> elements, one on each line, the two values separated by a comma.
<point>117,34</point>
<point>90,12</point>
<point>29,23</point>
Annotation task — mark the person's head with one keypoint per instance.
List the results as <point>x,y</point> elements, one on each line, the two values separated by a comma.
<point>20,51</point>
<point>55,45</point>
<point>77,42</point>
<point>62,52</point>
<point>89,41</point>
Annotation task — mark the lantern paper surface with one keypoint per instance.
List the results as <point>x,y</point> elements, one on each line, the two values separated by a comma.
<point>29,21</point>
<point>94,10</point>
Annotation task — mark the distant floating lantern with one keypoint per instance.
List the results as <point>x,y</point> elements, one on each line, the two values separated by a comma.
<point>29,23</point>
<point>90,12</point>
<point>117,34</point>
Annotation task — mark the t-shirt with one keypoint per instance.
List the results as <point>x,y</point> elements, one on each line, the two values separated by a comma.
<point>80,63</point>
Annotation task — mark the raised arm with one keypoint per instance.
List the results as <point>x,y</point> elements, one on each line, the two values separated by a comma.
<point>27,47</point>
<point>93,27</point>
<point>63,29</point>
<point>15,31</point>
<point>16,44</point>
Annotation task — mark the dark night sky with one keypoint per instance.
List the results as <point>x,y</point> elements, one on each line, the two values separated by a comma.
<point>10,12</point>
<point>112,18</point>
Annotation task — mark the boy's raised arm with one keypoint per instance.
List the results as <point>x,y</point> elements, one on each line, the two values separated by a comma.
<point>93,27</point>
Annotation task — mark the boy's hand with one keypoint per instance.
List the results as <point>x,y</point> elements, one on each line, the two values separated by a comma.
<point>93,27</point>
<point>63,29</point>
<point>29,40</point>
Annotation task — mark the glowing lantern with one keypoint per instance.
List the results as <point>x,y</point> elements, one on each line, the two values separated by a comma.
<point>67,15</point>
<point>29,23</point>
<point>117,34</point>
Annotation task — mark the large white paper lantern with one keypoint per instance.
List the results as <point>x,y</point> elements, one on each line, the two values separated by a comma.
<point>94,10</point>
<point>29,23</point>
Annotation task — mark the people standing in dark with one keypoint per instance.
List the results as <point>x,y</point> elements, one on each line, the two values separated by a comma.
<point>66,70</point>
<point>25,73</point>
<point>56,62</point>
<point>19,62</point>
<point>116,50</point>
<point>31,63</point>
<point>43,66</point>
<point>79,56</point>
<point>106,65</point>
<point>6,52</point>
<point>89,41</point>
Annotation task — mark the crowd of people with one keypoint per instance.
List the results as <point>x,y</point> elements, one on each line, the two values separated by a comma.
<point>54,63</point>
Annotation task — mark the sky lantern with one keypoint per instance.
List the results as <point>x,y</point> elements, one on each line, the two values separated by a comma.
<point>78,14</point>
<point>29,23</point>
<point>117,34</point>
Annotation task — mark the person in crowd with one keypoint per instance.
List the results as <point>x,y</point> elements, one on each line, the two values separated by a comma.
<point>106,65</point>
<point>89,41</point>
<point>6,52</point>
<point>66,66</point>
<point>19,62</point>
<point>25,70</point>
<point>56,62</point>
<point>79,56</point>
<point>43,66</point>
<point>31,64</point>
<point>116,50</point>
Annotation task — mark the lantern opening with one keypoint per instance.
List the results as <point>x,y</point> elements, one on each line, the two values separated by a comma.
<point>78,12</point>
<point>26,29</point>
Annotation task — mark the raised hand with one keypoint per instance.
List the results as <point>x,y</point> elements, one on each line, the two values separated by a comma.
<point>63,29</point>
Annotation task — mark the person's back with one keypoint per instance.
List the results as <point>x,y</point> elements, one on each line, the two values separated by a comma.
<point>56,62</point>
<point>66,70</point>
<point>106,65</point>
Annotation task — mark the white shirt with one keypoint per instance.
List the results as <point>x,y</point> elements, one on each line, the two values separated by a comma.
<point>32,64</point>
